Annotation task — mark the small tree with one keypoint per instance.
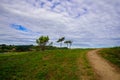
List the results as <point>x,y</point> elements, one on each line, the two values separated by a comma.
<point>61,40</point>
<point>68,42</point>
<point>42,42</point>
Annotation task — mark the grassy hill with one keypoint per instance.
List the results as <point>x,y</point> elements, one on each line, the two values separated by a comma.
<point>48,65</point>
<point>112,55</point>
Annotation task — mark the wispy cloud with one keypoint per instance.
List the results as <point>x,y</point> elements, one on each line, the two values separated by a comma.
<point>88,23</point>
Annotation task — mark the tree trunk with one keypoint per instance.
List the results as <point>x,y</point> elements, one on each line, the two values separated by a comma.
<point>42,47</point>
<point>70,45</point>
<point>61,44</point>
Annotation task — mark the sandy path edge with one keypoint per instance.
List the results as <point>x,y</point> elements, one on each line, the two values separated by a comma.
<point>102,68</point>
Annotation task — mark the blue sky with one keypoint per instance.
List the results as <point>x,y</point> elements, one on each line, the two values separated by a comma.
<point>88,23</point>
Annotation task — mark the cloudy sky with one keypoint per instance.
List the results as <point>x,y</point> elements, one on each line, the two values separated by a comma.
<point>88,23</point>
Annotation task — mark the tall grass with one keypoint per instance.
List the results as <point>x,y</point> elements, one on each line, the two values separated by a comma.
<point>48,65</point>
<point>112,54</point>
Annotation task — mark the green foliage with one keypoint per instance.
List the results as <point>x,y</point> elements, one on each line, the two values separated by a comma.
<point>47,65</point>
<point>68,42</point>
<point>61,40</point>
<point>16,48</point>
<point>42,41</point>
<point>21,48</point>
<point>6,48</point>
<point>112,54</point>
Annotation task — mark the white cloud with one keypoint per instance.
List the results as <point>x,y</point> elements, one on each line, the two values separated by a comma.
<point>89,23</point>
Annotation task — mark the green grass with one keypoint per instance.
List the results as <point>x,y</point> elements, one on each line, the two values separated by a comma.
<point>112,55</point>
<point>85,69</point>
<point>48,65</point>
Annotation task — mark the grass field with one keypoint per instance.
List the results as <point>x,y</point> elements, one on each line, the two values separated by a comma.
<point>112,54</point>
<point>48,65</point>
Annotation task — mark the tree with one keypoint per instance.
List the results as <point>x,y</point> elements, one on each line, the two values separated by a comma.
<point>61,40</point>
<point>3,47</point>
<point>68,42</point>
<point>42,42</point>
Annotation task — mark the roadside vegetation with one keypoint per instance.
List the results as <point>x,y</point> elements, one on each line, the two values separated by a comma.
<point>58,64</point>
<point>112,55</point>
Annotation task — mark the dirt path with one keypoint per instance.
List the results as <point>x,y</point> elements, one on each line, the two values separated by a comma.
<point>102,68</point>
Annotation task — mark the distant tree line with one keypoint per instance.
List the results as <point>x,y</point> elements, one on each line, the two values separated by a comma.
<point>43,43</point>
<point>16,48</point>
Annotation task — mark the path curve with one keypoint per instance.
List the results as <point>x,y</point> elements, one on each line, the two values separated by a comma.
<point>101,67</point>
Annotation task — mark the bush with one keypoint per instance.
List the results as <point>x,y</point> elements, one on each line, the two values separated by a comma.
<point>23,48</point>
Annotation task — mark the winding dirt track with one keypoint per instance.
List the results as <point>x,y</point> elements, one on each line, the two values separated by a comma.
<point>102,68</point>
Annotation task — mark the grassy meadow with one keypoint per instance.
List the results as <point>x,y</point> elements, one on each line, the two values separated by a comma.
<point>112,55</point>
<point>68,64</point>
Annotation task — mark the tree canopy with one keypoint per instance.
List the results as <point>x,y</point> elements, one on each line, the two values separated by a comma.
<point>61,40</point>
<point>42,41</point>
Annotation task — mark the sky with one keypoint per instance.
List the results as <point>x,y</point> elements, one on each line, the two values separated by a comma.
<point>88,23</point>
